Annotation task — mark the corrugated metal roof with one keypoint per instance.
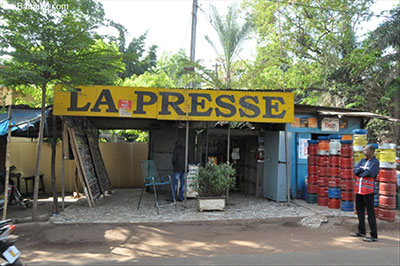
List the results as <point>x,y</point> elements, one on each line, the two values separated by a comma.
<point>359,114</point>
<point>21,119</point>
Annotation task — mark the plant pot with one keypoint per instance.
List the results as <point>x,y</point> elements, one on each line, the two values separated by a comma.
<point>216,203</point>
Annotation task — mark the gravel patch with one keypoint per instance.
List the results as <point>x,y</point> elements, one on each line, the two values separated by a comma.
<point>121,207</point>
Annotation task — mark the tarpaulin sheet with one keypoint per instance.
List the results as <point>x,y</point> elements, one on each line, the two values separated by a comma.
<point>22,118</point>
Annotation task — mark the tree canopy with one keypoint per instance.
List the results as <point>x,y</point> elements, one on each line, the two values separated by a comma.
<point>47,45</point>
<point>231,36</point>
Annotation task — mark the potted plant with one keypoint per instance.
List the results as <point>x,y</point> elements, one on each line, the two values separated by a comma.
<point>213,183</point>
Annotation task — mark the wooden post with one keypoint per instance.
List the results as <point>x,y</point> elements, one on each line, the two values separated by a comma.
<point>8,149</point>
<point>64,140</point>
<point>53,167</point>
<point>39,154</point>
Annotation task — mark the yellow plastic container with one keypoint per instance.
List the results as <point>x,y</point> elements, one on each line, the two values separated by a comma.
<point>387,156</point>
<point>360,140</point>
<point>357,156</point>
<point>378,154</point>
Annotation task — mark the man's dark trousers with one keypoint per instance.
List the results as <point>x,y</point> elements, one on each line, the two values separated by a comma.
<point>367,201</point>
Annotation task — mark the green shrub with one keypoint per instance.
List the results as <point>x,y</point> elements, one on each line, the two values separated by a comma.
<point>214,179</point>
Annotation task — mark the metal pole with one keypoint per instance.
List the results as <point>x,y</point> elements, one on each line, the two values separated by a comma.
<point>229,143</point>
<point>283,87</point>
<point>192,59</point>
<point>207,132</point>
<point>287,164</point>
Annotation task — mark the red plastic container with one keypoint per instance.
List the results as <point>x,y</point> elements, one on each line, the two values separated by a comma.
<point>312,169</point>
<point>312,149</point>
<point>386,215</point>
<point>322,181</point>
<point>347,184</point>
<point>387,189</point>
<point>334,203</point>
<point>322,192</point>
<point>334,160</point>
<point>346,173</point>
<point>323,171</point>
<point>323,160</point>
<point>333,182</point>
<point>347,195</point>
<point>312,189</point>
<point>387,202</point>
<point>334,171</point>
<point>346,150</point>
<point>322,201</point>
<point>346,162</point>
<point>312,179</point>
<point>312,159</point>
<point>387,175</point>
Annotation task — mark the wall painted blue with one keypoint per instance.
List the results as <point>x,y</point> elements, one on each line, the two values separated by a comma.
<point>299,167</point>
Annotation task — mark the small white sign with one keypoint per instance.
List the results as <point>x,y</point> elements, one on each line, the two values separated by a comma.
<point>11,254</point>
<point>330,124</point>
<point>193,171</point>
<point>303,151</point>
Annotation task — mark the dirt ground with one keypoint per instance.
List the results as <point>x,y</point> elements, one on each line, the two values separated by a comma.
<point>98,243</point>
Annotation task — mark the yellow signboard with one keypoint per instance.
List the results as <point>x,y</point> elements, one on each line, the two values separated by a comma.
<point>175,104</point>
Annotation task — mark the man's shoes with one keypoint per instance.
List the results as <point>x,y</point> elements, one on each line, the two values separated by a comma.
<point>370,239</point>
<point>180,200</point>
<point>357,234</point>
<point>169,200</point>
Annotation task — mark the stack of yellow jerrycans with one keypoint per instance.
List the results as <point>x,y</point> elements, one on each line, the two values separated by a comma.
<point>359,142</point>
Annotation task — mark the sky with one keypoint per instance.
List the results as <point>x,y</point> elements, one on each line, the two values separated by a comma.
<point>168,23</point>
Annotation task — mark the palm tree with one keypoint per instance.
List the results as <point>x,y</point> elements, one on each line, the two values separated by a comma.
<point>231,35</point>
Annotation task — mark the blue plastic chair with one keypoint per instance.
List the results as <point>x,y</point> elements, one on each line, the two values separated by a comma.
<point>152,179</point>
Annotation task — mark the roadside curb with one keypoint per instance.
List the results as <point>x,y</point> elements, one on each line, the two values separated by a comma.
<point>33,226</point>
<point>352,224</point>
<point>272,220</point>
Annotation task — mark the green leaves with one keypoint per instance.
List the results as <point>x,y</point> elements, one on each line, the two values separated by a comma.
<point>231,36</point>
<point>47,45</point>
<point>214,179</point>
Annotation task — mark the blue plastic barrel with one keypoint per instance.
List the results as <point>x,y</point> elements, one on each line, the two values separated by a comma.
<point>376,187</point>
<point>376,146</point>
<point>334,192</point>
<point>347,205</point>
<point>335,136</point>
<point>360,131</point>
<point>376,200</point>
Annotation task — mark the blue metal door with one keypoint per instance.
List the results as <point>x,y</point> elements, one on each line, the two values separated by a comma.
<point>301,165</point>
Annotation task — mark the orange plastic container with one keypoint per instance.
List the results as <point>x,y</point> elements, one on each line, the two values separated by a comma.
<point>347,137</point>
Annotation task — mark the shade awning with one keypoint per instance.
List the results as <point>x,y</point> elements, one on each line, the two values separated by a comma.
<point>359,114</point>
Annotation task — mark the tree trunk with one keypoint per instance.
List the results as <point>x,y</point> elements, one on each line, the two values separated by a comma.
<point>39,153</point>
<point>53,167</point>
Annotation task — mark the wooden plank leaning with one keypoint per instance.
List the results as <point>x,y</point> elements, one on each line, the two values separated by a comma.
<point>82,176</point>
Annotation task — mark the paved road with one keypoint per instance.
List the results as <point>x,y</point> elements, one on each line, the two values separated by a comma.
<point>283,242</point>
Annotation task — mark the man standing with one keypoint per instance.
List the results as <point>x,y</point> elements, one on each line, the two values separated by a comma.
<point>178,162</point>
<point>366,172</point>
